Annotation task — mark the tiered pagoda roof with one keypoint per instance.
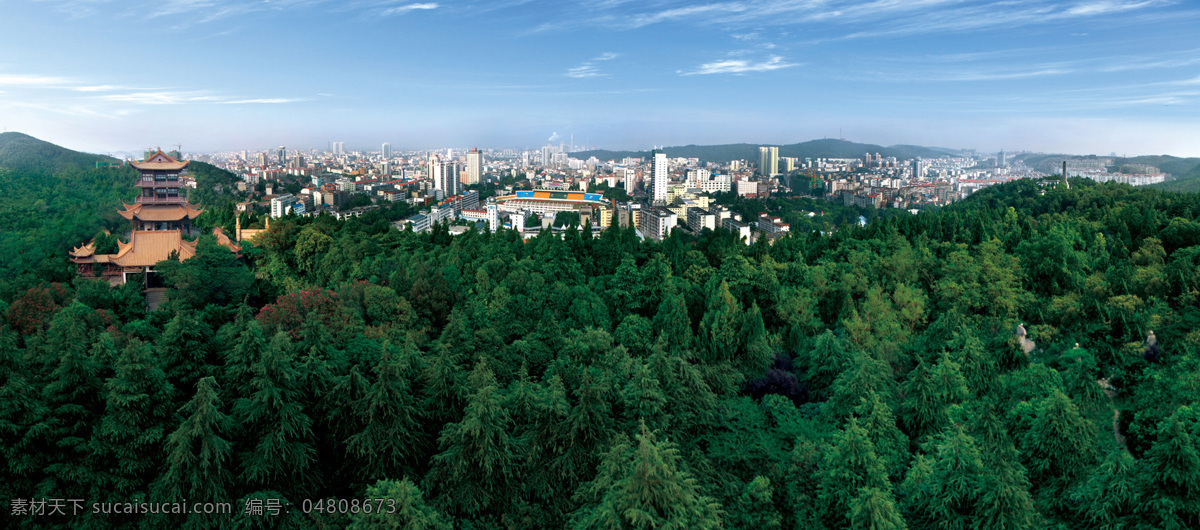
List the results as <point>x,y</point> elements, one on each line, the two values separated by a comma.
<point>160,212</point>
<point>160,161</point>
<point>144,249</point>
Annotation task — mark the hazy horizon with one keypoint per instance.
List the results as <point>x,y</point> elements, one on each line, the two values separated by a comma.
<point>1082,77</point>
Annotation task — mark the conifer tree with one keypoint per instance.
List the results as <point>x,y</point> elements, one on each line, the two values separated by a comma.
<point>479,459</point>
<point>643,486</point>
<point>866,374</point>
<point>672,321</point>
<point>1173,499</point>
<point>183,350</point>
<point>1061,443</point>
<point>874,509</point>
<point>280,451</point>
<point>73,397</point>
<point>403,507</point>
<point>755,507</point>
<point>199,454</point>
<point>875,416</point>
<point>828,359</point>
<point>643,397</point>
<point>947,491</point>
<point>127,445</point>
<point>756,354</point>
<point>390,418</point>
<point>720,327</point>
<point>849,465</point>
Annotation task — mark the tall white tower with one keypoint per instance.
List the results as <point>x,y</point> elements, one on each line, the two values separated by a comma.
<point>493,217</point>
<point>658,176</point>
<point>474,166</point>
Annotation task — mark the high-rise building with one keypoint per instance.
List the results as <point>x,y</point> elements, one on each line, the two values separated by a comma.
<point>282,156</point>
<point>658,177</point>
<point>1001,160</point>
<point>918,169</point>
<point>387,150</point>
<point>444,176</point>
<point>768,161</point>
<point>474,166</point>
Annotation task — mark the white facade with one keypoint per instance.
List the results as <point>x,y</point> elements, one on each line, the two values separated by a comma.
<point>659,175</point>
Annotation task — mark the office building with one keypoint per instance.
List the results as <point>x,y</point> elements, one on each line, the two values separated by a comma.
<point>474,166</point>
<point>768,161</point>
<point>658,177</point>
<point>387,150</point>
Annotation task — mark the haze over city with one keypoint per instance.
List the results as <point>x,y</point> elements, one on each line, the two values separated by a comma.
<point>1080,77</point>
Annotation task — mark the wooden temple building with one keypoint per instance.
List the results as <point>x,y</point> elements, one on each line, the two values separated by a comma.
<point>161,217</point>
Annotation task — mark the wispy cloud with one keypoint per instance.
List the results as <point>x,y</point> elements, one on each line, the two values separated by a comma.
<point>31,80</point>
<point>584,70</point>
<point>588,69</point>
<point>405,9</point>
<point>739,66</point>
<point>269,101</point>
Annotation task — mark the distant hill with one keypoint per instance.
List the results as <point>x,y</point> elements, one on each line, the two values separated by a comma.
<point>827,148</point>
<point>21,151</point>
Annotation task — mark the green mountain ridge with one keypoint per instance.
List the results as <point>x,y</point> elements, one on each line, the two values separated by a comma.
<point>824,148</point>
<point>21,151</point>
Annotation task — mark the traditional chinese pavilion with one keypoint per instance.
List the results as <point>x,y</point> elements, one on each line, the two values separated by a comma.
<point>161,216</point>
<point>159,205</point>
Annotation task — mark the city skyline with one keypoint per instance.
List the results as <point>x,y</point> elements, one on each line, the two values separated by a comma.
<point>1083,77</point>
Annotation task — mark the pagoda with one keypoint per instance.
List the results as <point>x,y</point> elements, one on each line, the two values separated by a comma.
<point>160,217</point>
<point>159,205</point>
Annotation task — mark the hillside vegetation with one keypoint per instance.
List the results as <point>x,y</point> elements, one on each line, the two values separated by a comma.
<point>867,379</point>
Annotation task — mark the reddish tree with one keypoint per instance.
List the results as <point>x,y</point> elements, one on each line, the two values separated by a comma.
<point>289,312</point>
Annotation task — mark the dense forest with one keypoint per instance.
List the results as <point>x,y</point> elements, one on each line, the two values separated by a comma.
<point>867,378</point>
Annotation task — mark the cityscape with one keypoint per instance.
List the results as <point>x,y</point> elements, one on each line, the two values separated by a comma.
<point>653,193</point>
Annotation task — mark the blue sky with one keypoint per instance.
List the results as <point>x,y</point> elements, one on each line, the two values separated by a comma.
<point>1086,76</point>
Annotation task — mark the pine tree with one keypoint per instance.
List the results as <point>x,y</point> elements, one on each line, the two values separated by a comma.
<point>199,454</point>
<point>127,446</point>
<point>1173,499</point>
<point>183,350</point>
<point>947,491</point>
<point>72,395</point>
<point>827,360</point>
<point>890,443</point>
<point>391,433</point>
<point>1061,443</point>
<point>643,397</point>
<point>851,464</point>
<point>874,509</point>
<point>672,321</point>
<point>280,452</point>
<point>403,506</point>
<point>479,459</point>
<point>720,327</point>
<point>756,354</point>
<point>866,374</point>
<point>644,487</point>
<point>755,507</point>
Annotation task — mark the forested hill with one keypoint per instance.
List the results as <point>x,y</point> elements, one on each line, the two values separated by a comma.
<point>826,148</point>
<point>868,379</point>
<point>20,151</point>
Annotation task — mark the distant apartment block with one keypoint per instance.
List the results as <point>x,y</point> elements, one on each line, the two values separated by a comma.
<point>699,218</point>
<point>657,222</point>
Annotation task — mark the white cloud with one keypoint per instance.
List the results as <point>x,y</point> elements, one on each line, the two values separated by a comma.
<point>739,66</point>
<point>30,80</point>
<point>160,98</point>
<point>401,10</point>
<point>262,101</point>
<point>607,56</point>
<point>584,70</point>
